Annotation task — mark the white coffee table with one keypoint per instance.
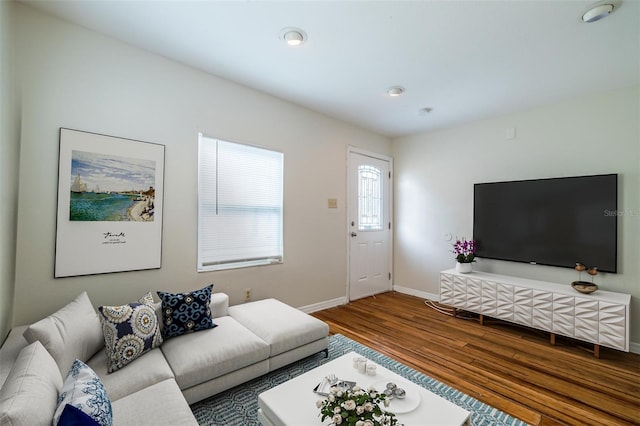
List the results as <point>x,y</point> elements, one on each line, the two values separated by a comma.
<point>293,402</point>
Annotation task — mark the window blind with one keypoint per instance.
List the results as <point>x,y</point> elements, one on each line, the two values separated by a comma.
<point>240,193</point>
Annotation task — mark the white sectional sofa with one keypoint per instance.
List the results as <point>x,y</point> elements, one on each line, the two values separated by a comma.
<point>249,340</point>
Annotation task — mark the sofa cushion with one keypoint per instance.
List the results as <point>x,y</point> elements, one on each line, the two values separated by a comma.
<point>83,389</point>
<point>219,305</point>
<point>158,405</point>
<point>280,325</point>
<point>129,331</point>
<point>198,357</point>
<point>139,374</point>
<point>30,393</point>
<point>72,332</point>
<point>186,312</point>
<point>73,416</point>
<point>10,349</point>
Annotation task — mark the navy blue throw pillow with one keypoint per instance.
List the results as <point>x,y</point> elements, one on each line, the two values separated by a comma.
<point>129,331</point>
<point>184,313</point>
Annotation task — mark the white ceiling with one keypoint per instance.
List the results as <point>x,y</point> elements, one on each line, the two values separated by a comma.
<point>465,59</point>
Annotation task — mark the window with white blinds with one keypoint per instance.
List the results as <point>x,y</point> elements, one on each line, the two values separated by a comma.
<point>240,192</point>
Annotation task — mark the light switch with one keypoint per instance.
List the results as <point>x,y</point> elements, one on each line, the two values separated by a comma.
<point>333,203</point>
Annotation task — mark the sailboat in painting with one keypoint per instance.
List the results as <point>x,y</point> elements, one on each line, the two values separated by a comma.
<point>78,186</point>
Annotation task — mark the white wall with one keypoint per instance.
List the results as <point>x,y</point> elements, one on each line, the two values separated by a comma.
<point>71,77</point>
<point>435,173</point>
<point>9,149</point>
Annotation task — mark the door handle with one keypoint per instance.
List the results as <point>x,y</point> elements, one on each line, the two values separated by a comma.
<point>354,234</point>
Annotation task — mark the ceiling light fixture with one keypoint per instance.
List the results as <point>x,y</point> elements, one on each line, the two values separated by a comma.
<point>293,36</point>
<point>395,91</point>
<point>600,10</point>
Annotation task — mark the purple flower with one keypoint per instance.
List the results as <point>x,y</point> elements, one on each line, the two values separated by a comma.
<point>464,250</point>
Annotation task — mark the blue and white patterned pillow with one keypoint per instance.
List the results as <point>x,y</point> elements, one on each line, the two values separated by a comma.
<point>84,390</point>
<point>129,331</point>
<point>186,312</point>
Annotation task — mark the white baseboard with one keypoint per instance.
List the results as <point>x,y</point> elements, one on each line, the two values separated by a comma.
<point>324,305</point>
<point>634,347</point>
<point>417,293</point>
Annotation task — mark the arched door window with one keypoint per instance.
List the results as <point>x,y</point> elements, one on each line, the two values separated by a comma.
<point>370,214</point>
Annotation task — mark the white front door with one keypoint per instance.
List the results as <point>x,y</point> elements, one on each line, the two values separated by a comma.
<point>369,224</point>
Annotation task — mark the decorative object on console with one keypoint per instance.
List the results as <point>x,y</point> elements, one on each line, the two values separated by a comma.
<point>593,271</point>
<point>463,268</point>
<point>356,406</point>
<point>580,267</point>
<point>465,252</point>
<point>129,331</point>
<point>585,287</point>
<point>186,312</point>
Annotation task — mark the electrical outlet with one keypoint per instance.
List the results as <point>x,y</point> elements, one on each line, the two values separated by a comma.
<point>247,295</point>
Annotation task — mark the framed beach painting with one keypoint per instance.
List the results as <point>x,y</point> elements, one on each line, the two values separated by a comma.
<point>109,204</point>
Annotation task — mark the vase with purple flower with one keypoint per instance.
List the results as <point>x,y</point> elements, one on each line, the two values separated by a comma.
<point>465,252</point>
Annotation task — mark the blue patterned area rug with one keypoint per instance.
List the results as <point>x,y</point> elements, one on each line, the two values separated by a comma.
<point>239,406</point>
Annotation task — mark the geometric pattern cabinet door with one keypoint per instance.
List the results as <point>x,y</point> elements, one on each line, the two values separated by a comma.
<point>489,305</point>
<point>563,314</point>
<point>586,321</point>
<point>505,302</point>
<point>523,305</point>
<point>542,311</point>
<point>612,325</point>
<point>446,289</point>
<point>459,291</point>
<point>474,295</point>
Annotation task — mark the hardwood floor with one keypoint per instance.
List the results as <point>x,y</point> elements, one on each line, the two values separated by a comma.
<point>512,368</point>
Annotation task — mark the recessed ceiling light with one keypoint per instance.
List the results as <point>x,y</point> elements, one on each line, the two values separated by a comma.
<point>293,36</point>
<point>600,10</point>
<point>395,91</point>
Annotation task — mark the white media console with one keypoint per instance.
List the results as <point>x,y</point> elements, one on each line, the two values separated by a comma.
<point>601,318</point>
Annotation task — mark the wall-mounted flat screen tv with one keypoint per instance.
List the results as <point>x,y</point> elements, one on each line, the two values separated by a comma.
<point>557,222</point>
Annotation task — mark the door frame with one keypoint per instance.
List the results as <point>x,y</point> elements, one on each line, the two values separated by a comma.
<point>367,153</point>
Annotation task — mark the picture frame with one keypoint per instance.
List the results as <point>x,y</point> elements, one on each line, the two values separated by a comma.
<point>110,204</point>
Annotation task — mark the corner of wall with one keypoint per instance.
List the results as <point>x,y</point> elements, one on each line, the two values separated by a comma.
<point>9,153</point>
